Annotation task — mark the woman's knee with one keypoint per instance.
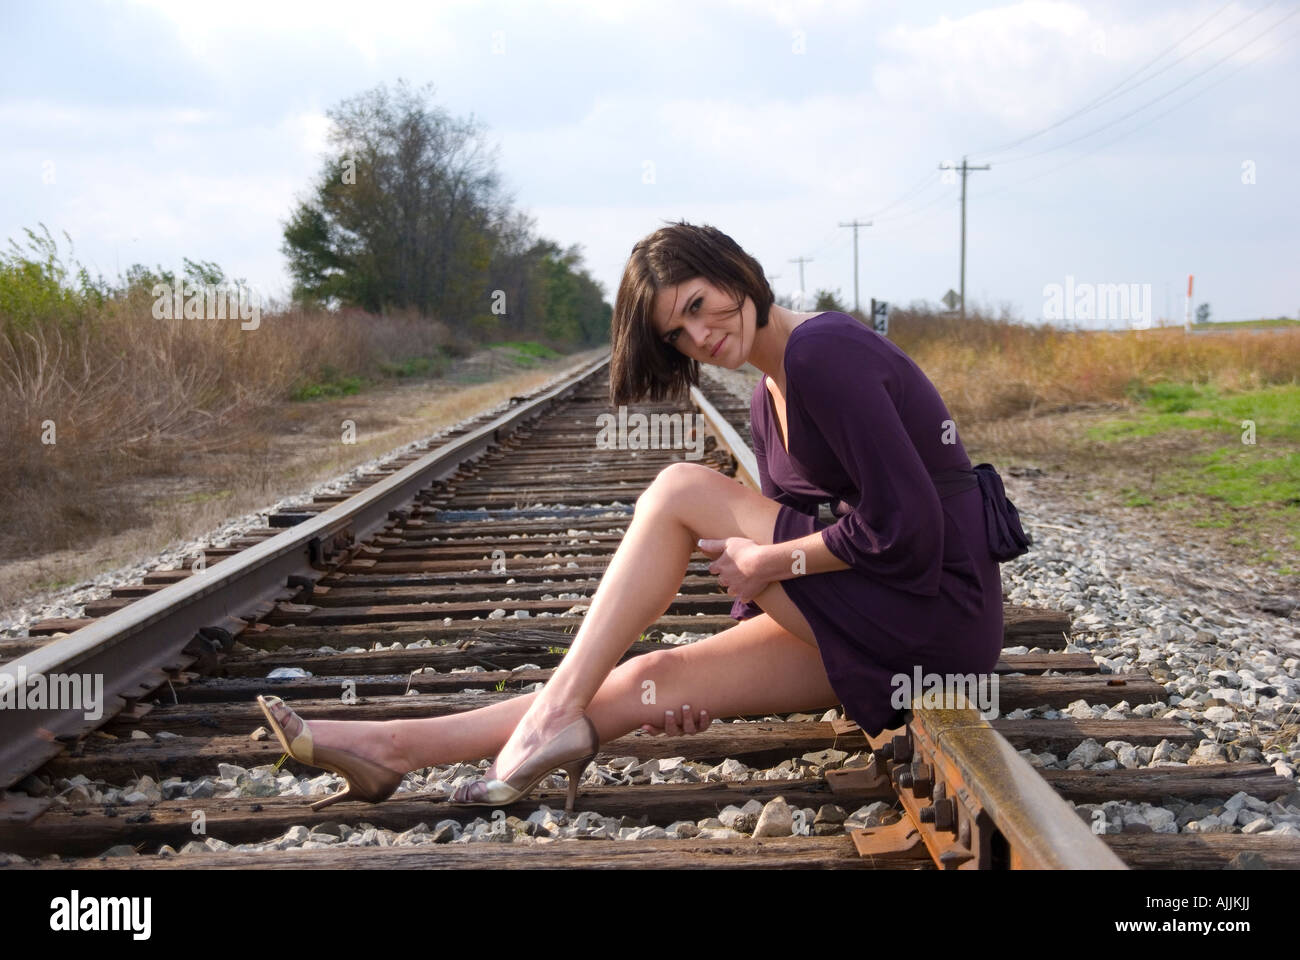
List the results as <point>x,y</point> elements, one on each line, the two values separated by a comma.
<point>674,480</point>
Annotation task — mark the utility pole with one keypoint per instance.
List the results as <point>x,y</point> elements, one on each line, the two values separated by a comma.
<point>965,168</point>
<point>801,261</point>
<point>855,224</point>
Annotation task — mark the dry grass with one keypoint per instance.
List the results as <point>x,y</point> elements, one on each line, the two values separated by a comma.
<point>120,433</point>
<point>285,449</point>
<point>989,369</point>
<point>123,395</point>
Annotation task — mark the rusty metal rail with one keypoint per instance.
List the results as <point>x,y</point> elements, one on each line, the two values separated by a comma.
<point>974,801</point>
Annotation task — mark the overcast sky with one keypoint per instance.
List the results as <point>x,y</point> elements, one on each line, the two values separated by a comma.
<point>154,130</point>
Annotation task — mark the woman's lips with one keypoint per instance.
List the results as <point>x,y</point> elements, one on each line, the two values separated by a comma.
<point>719,346</point>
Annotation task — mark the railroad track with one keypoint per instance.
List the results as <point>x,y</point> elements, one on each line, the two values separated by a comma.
<point>457,576</point>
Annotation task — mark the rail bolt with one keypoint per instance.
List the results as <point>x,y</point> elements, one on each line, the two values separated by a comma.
<point>922,779</point>
<point>940,813</point>
<point>945,813</point>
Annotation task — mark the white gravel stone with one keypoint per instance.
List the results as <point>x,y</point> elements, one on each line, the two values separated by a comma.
<point>775,820</point>
<point>1085,754</point>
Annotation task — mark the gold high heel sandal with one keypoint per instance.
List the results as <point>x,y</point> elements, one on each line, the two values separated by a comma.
<point>366,779</point>
<point>572,748</point>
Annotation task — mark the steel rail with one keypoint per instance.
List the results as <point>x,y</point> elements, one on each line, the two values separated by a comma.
<point>729,437</point>
<point>1041,831</point>
<point>131,650</point>
<point>974,801</point>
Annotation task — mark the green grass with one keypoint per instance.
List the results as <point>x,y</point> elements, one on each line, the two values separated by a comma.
<point>1242,477</point>
<point>526,352</point>
<point>1274,410</point>
<point>1246,324</point>
<point>1222,482</point>
<point>415,367</point>
<point>331,383</point>
<point>1232,473</point>
<point>529,348</point>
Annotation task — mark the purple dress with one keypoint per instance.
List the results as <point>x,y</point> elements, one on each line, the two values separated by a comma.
<point>867,428</point>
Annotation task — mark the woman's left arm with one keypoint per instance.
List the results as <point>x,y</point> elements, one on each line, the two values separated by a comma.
<point>794,558</point>
<point>745,567</point>
<point>848,393</point>
<point>895,532</point>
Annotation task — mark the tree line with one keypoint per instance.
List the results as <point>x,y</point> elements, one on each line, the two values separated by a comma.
<point>408,212</point>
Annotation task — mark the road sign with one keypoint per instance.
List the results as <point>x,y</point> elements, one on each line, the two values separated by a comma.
<point>880,316</point>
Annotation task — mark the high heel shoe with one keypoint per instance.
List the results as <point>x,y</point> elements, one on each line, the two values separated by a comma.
<point>572,749</point>
<point>366,779</point>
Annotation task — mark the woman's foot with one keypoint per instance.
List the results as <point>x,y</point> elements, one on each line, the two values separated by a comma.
<point>371,740</point>
<point>364,779</point>
<point>546,740</point>
<point>537,727</point>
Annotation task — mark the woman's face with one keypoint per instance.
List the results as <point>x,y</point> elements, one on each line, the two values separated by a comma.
<point>701,321</point>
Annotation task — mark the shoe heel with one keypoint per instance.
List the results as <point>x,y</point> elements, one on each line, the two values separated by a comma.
<point>574,772</point>
<point>344,794</point>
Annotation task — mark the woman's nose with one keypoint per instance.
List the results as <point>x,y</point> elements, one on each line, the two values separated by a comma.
<point>699,333</point>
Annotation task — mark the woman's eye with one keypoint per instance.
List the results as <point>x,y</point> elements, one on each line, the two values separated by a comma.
<point>672,337</point>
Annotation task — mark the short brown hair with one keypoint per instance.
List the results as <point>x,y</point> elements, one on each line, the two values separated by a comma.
<point>641,364</point>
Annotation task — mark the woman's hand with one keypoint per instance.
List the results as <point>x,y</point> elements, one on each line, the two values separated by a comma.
<point>737,561</point>
<point>689,723</point>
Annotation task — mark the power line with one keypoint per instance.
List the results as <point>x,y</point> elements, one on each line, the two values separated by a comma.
<point>1101,97</point>
<point>1144,124</point>
<point>915,219</point>
<point>830,243</point>
<point>918,187</point>
<point>1154,101</point>
<point>911,213</point>
<point>1174,63</point>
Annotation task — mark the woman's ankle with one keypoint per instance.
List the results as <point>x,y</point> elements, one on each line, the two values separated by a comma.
<point>360,737</point>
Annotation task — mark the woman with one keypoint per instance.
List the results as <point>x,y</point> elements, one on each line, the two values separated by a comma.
<point>830,611</point>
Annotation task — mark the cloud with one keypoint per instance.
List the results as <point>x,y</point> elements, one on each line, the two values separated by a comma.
<point>1026,64</point>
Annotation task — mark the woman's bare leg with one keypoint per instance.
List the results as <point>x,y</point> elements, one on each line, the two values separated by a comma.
<point>757,666</point>
<point>685,502</point>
